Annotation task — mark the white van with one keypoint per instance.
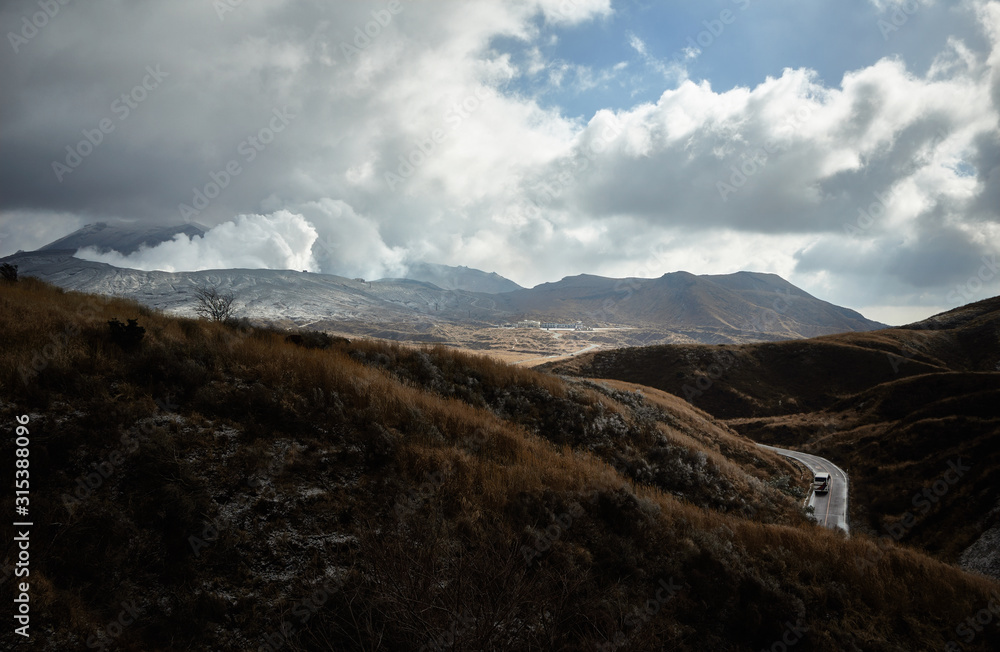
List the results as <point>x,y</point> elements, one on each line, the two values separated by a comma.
<point>821,483</point>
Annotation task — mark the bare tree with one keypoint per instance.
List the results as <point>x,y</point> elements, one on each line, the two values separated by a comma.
<point>215,305</point>
<point>8,272</point>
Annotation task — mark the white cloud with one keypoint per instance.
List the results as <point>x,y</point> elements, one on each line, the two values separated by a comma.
<point>349,244</point>
<point>29,230</point>
<point>910,5</point>
<point>671,71</point>
<point>278,241</point>
<point>637,44</point>
<point>508,184</point>
<point>571,12</point>
<point>536,62</point>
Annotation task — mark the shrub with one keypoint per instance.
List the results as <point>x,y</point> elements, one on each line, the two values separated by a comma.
<point>315,340</point>
<point>8,273</point>
<point>128,336</point>
<point>215,305</point>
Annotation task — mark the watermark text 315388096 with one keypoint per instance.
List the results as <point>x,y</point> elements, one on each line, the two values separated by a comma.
<point>22,477</point>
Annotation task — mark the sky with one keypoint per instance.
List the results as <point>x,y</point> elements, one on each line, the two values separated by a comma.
<point>852,147</point>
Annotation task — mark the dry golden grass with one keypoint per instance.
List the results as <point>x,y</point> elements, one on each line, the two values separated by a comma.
<point>892,407</point>
<point>429,484</point>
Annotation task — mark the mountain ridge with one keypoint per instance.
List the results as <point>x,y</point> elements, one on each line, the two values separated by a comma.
<point>894,407</point>
<point>105,237</point>
<point>449,277</point>
<point>684,300</point>
<point>677,306</point>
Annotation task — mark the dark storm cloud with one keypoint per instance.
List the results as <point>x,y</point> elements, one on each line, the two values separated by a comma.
<point>387,132</point>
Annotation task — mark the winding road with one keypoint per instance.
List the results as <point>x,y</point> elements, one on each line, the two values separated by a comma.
<point>561,355</point>
<point>830,509</point>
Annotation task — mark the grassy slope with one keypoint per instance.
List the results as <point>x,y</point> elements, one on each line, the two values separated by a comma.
<point>893,407</point>
<point>775,378</point>
<point>897,439</point>
<point>716,308</point>
<point>375,497</point>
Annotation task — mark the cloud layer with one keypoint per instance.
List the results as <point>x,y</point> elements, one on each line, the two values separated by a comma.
<point>277,241</point>
<point>352,138</point>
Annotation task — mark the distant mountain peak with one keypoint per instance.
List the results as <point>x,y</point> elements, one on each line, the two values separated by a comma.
<point>123,238</point>
<point>461,277</point>
<point>743,306</point>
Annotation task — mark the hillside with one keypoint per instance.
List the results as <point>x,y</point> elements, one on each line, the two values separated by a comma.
<point>772,378</point>
<point>460,278</point>
<point>893,407</point>
<point>238,490</point>
<point>677,307</point>
<point>263,294</point>
<point>126,240</point>
<point>744,306</point>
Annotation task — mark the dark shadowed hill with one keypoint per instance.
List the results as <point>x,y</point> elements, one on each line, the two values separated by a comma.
<point>896,408</point>
<point>123,239</point>
<point>241,489</point>
<point>461,278</point>
<point>744,305</point>
<point>773,378</point>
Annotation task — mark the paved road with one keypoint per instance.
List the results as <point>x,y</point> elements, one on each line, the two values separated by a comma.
<point>561,355</point>
<point>830,509</point>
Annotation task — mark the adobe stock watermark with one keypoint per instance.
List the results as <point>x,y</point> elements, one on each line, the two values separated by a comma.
<point>32,26</point>
<point>59,341</point>
<point>223,7</point>
<point>303,610</point>
<point>899,17</point>
<point>715,27</point>
<point>365,35</point>
<point>122,107</point>
<point>247,151</point>
<point>876,210</point>
<point>552,188</point>
<point>792,635</point>
<point>639,617</point>
<point>963,293</point>
<point>968,629</point>
<point>554,531</point>
<point>88,483</point>
<point>325,250</point>
<point>755,160</point>
<point>128,615</point>
<point>625,287</point>
<point>923,501</point>
<point>723,360</point>
<point>910,351</point>
<point>422,150</point>
<point>415,498</point>
<point>209,534</point>
<point>765,319</point>
<point>867,217</point>
<point>444,641</point>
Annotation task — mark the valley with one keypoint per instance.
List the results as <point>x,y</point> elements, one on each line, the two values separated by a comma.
<point>897,408</point>
<point>527,326</point>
